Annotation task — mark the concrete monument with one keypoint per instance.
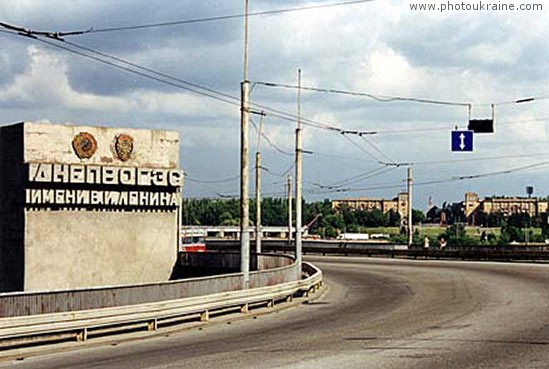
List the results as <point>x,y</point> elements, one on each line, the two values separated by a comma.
<point>84,206</point>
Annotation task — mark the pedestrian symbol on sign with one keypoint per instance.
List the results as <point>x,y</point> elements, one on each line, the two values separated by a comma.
<point>462,141</point>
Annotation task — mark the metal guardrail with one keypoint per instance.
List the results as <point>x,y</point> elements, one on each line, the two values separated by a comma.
<point>494,253</point>
<point>81,325</point>
<point>282,269</point>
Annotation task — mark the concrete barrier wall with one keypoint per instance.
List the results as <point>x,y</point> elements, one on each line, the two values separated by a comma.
<point>269,261</point>
<point>35,303</point>
<point>19,332</point>
<point>228,262</point>
<point>273,277</point>
<point>225,262</point>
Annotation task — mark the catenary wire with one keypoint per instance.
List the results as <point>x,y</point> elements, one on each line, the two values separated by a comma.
<point>268,140</point>
<point>150,70</point>
<point>273,112</point>
<point>195,91</point>
<point>389,98</point>
<point>224,180</point>
<point>376,97</point>
<point>225,17</point>
<point>438,181</point>
<point>266,137</point>
<point>177,85</point>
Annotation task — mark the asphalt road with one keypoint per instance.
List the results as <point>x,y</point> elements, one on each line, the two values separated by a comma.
<point>376,313</point>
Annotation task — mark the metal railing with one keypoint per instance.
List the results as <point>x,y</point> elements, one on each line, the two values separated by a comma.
<point>494,253</point>
<point>74,323</point>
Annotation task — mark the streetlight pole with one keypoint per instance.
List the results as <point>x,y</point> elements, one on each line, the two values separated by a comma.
<point>290,221</point>
<point>258,234</point>
<point>410,230</point>
<point>244,165</point>
<point>298,180</point>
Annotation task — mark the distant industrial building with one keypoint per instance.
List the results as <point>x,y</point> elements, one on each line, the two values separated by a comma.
<point>506,206</point>
<point>398,204</point>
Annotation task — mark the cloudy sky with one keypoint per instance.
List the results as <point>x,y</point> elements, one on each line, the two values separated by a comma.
<point>381,48</point>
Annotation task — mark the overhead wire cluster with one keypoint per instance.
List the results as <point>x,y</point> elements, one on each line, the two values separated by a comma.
<point>434,181</point>
<point>58,40</point>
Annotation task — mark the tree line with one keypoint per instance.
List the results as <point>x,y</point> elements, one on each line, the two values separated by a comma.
<point>274,212</point>
<point>330,222</point>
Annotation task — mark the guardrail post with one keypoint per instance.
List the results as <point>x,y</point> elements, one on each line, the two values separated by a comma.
<point>152,325</point>
<point>82,335</point>
<point>114,320</point>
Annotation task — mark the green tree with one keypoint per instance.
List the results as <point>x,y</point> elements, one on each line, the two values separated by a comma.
<point>510,233</point>
<point>456,236</point>
<point>417,216</point>
<point>334,221</point>
<point>544,224</point>
<point>393,219</point>
<point>227,219</point>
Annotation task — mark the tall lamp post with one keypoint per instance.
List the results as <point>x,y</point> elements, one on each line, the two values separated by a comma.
<point>410,230</point>
<point>244,165</point>
<point>298,180</point>
<point>529,192</point>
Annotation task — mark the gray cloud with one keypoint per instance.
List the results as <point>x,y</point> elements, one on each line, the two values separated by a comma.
<point>380,47</point>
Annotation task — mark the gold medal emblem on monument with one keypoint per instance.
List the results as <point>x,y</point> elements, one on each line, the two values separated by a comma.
<point>84,145</point>
<point>123,146</point>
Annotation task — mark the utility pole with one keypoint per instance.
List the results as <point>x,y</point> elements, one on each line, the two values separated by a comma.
<point>290,221</point>
<point>410,230</point>
<point>258,234</point>
<point>298,179</point>
<point>244,165</point>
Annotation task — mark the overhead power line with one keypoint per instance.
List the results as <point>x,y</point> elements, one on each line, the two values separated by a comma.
<point>353,179</point>
<point>372,145</point>
<point>224,180</point>
<point>149,73</point>
<point>517,101</point>
<point>59,35</point>
<point>376,97</point>
<point>226,98</point>
<point>436,181</point>
<point>477,159</point>
<point>363,150</point>
<point>269,141</point>
<point>164,78</point>
<point>335,156</point>
<point>234,101</point>
<point>218,18</point>
<point>389,98</point>
<point>150,70</point>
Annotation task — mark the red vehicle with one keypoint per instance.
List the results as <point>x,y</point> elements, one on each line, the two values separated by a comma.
<point>193,241</point>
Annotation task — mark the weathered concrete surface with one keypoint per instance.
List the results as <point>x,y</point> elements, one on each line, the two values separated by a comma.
<point>53,143</point>
<point>51,246</point>
<point>72,249</point>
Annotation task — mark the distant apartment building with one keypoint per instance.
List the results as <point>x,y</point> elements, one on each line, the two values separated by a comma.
<point>398,204</point>
<point>473,205</point>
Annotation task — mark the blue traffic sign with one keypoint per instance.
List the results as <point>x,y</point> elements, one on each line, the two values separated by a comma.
<point>462,141</point>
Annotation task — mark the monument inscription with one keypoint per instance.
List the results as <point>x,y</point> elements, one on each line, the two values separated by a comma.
<point>85,206</point>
